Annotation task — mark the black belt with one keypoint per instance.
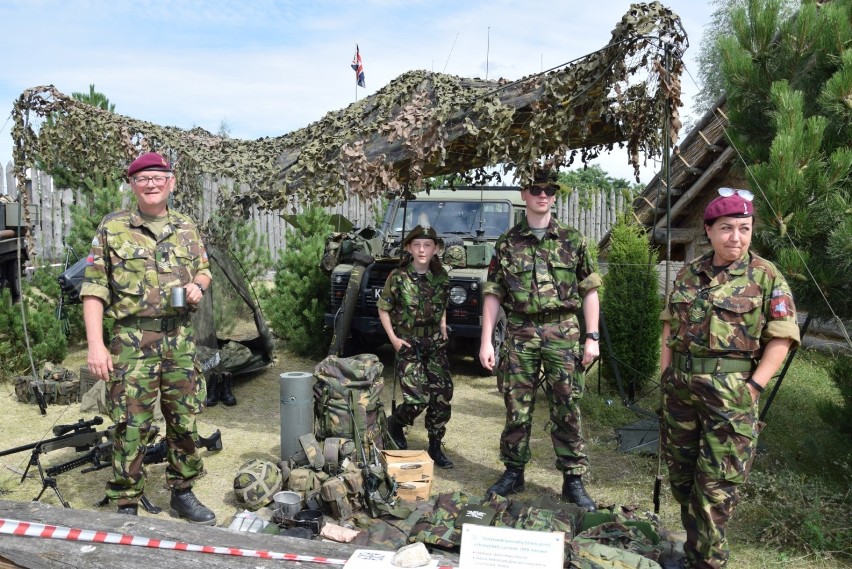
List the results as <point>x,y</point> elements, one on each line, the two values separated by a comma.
<point>540,317</point>
<point>154,324</point>
<point>688,363</point>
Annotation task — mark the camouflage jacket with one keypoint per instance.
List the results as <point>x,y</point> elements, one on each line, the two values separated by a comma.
<point>133,271</point>
<point>733,314</point>
<point>413,299</point>
<point>535,277</point>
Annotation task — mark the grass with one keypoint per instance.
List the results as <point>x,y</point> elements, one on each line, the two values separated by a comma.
<point>794,511</point>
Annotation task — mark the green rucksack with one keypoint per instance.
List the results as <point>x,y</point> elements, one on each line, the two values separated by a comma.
<point>348,399</point>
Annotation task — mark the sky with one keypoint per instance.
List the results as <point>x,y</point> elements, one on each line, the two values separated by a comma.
<point>270,67</point>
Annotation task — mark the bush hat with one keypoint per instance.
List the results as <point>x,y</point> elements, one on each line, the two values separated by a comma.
<point>149,161</point>
<point>421,232</point>
<point>728,206</point>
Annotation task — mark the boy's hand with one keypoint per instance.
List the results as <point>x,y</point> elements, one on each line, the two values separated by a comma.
<point>398,343</point>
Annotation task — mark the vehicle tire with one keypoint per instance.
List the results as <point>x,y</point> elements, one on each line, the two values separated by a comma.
<point>498,336</point>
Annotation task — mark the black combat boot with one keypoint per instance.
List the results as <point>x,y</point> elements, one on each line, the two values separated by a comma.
<point>574,492</point>
<point>512,481</point>
<point>129,510</point>
<point>226,389</point>
<point>437,454</point>
<point>396,432</point>
<point>212,389</point>
<point>186,505</point>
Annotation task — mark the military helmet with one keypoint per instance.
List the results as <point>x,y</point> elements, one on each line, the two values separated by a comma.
<point>256,482</point>
<point>422,232</point>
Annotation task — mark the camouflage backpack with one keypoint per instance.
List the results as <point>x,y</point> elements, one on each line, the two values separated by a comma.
<point>348,401</point>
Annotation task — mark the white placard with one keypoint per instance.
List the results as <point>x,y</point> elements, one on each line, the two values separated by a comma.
<point>376,559</point>
<point>486,547</point>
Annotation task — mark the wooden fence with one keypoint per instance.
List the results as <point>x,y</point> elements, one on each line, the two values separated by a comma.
<point>593,215</point>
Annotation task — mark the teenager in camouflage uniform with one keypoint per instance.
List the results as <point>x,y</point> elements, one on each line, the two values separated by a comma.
<point>137,257</point>
<point>541,274</point>
<point>413,312</point>
<point>727,327</point>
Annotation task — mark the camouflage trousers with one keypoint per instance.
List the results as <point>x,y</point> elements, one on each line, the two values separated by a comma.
<point>147,364</point>
<point>542,355</point>
<point>423,371</point>
<point>710,430</point>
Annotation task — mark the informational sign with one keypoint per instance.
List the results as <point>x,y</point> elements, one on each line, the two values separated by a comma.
<point>376,559</point>
<point>485,547</point>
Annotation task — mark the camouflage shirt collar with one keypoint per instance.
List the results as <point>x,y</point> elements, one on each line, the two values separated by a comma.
<point>551,227</point>
<point>738,267</point>
<point>136,219</point>
<point>412,272</point>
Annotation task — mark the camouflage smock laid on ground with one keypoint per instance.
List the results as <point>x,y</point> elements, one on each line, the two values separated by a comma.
<point>133,271</point>
<point>711,424</point>
<point>541,285</point>
<point>416,304</point>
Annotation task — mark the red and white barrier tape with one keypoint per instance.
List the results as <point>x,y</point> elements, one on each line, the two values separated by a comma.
<point>19,528</point>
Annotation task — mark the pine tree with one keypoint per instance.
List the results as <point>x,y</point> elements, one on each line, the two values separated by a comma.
<point>296,309</point>
<point>789,86</point>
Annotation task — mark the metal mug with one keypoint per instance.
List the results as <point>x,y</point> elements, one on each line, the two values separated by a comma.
<point>285,506</point>
<point>178,297</point>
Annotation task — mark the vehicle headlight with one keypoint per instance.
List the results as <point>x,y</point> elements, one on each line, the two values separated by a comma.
<point>458,294</point>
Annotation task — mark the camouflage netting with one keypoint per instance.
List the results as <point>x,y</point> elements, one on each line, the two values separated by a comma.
<point>420,125</point>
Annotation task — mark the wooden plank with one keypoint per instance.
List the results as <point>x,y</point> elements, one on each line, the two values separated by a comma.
<point>42,553</point>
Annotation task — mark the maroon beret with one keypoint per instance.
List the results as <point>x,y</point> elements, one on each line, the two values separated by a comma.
<point>149,161</point>
<point>730,206</point>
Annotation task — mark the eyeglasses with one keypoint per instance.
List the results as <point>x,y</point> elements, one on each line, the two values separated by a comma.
<point>744,194</point>
<point>549,191</point>
<point>145,180</point>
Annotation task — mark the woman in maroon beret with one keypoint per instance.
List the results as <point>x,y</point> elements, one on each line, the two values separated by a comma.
<point>727,327</point>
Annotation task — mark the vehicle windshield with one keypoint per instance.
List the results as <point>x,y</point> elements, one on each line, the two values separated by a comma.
<point>455,218</point>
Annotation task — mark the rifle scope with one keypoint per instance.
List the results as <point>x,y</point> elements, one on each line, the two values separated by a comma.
<point>80,425</point>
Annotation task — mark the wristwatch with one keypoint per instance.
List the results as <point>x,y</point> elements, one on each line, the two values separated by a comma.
<point>201,288</point>
<point>596,336</point>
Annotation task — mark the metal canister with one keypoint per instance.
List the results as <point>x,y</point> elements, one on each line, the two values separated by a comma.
<point>297,410</point>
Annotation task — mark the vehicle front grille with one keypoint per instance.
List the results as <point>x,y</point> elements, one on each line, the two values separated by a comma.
<point>339,282</point>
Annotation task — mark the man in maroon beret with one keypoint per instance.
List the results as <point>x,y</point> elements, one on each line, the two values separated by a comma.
<point>727,327</point>
<point>148,269</point>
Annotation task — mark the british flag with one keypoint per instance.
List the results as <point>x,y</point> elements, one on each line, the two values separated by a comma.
<point>358,67</point>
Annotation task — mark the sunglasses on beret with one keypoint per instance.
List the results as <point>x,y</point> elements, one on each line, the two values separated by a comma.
<point>744,194</point>
<point>548,190</point>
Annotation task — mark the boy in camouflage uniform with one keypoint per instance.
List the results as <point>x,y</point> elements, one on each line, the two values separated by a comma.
<point>413,312</point>
<point>727,327</point>
<point>541,273</point>
<point>137,258</point>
